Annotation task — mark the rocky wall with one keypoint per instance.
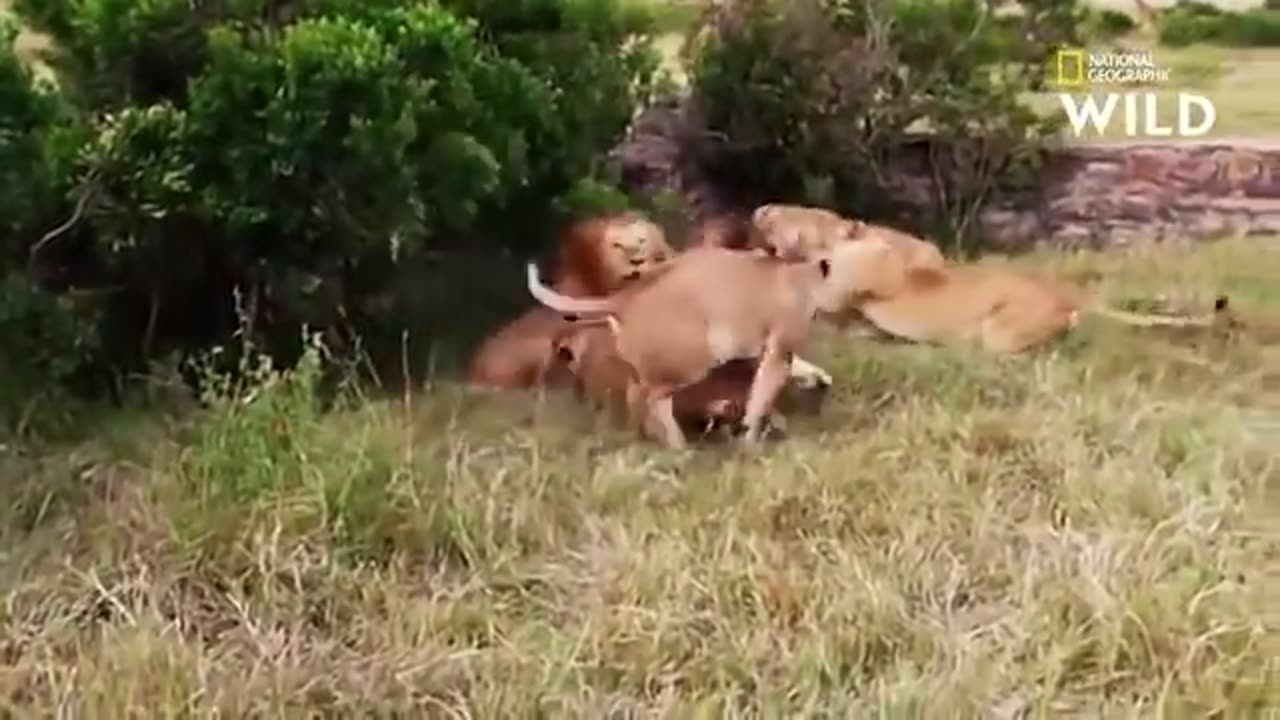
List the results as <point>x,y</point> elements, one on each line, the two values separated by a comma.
<point>1114,194</point>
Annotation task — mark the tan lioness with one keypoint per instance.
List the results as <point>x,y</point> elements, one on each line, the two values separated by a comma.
<point>1005,310</point>
<point>588,351</point>
<point>710,306</point>
<point>805,232</point>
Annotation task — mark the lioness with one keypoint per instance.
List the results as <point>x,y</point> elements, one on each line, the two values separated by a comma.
<point>804,232</point>
<point>1006,310</point>
<point>709,306</point>
<point>596,257</point>
<point>588,351</point>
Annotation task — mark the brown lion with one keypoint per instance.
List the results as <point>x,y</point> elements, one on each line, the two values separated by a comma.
<point>710,306</point>
<point>596,257</point>
<point>1003,309</point>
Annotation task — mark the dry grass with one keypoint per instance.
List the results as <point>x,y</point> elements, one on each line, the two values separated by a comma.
<point>1091,530</point>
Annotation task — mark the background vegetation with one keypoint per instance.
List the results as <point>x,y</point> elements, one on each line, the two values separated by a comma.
<point>1088,531</point>
<point>289,157</point>
<point>257,167</point>
<point>816,101</point>
<point>185,188</point>
<point>1190,21</point>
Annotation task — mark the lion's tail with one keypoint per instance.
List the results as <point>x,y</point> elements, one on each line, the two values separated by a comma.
<point>1153,320</point>
<point>564,303</point>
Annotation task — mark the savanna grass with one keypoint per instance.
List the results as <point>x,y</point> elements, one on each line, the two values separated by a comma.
<point>1090,530</point>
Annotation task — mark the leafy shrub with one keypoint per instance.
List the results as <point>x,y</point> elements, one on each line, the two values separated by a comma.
<point>1198,8</point>
<point>1255,28</point>
<point>281,161</point>
<point>28,114</point>
<point>45,341</point>
<point>828,94</point>
<point>1192,22</point>
<point>49,347</point>
<point>1107,23</point>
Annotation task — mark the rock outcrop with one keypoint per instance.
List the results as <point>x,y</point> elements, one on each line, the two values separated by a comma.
<point>1114,194</point>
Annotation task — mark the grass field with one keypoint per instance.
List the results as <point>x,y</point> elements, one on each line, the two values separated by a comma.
<point>1090,530</point>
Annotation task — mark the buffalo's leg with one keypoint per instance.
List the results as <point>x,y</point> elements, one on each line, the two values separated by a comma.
<point>808,375</point>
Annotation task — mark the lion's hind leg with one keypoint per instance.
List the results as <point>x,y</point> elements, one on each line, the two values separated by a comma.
<point>1015,327</point>
<point>652,413</point>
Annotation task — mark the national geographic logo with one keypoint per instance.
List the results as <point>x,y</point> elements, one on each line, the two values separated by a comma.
<point>1071,68</point>
<point>1076,68</point>
<point>1078,72</point>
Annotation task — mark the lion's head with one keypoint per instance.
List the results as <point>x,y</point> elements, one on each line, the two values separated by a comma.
<point>870,269</point>
<point>570,345</point>
<point>600,255</point>
<point>916,252</point>
<point>796,232</point>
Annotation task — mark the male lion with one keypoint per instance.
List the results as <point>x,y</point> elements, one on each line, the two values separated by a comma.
<point>710,306</point>
<point>1005,310</point>
<point>596,256</point>
<point>588,350</point>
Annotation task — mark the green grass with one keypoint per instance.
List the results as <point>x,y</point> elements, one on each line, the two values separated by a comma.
<point>1089,530</point>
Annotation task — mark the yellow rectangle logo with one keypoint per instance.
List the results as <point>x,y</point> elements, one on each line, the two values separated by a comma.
<point>1071,68</point>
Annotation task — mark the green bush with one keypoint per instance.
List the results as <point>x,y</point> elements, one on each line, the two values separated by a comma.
<point>830,93</point>
<point>1106,24</point>
<point>46,342</point>
<point>28,114</point>
<point>1197,8</point>
<point>1188,23</point>
<point>281,161</point>
<point>1255,28</point>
